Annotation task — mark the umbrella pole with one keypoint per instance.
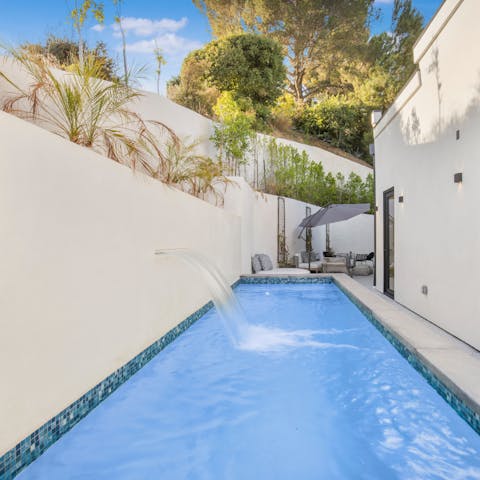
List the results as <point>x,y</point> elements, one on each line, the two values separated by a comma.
<point>327,237</point>
<point>308,244</point>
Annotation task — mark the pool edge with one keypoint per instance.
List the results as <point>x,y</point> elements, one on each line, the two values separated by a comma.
<point>462,403</point>
<point>22,455</point>
<point>35,444</point>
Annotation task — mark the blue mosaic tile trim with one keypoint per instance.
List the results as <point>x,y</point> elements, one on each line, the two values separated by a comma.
<point>292,279</point>
<point>35,444</point>
<point>471,416</point>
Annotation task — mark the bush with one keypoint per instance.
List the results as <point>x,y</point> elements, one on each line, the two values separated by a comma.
<point>63,53</point>
<point>191,88</point>
<point>292,174</point>
<point>233,135</point>
<point>341,123</point>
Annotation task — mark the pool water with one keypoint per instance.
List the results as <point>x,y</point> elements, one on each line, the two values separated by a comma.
<point>342,404</point>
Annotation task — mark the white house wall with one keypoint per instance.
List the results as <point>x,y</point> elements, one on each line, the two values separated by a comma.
<point>437,228</point>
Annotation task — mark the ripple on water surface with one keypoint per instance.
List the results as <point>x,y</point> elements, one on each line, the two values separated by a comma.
<point>315,392</point>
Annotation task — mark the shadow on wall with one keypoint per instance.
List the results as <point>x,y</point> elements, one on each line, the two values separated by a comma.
<point>445,124</point>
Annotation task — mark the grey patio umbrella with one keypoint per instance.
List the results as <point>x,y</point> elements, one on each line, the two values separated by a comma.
<point>337,212</point>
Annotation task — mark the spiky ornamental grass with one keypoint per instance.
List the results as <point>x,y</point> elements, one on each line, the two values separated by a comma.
<point>82,107</point>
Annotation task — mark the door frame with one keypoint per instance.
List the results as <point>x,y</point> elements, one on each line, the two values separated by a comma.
<point>390,193</point>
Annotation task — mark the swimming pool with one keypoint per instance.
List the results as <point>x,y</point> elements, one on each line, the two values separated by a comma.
<point>338,401</point>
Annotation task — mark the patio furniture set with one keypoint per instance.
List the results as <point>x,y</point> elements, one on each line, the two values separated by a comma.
<point>351,264</point>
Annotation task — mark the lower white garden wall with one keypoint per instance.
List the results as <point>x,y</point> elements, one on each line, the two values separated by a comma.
<point>81,291</point>
<point>259,225</point>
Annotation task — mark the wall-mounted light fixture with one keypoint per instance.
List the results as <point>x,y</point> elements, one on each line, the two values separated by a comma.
<point>400,199</point>
<point>458,177</point>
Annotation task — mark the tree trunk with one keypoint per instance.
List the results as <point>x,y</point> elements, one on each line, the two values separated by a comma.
<point>124,51</point>
<point>81,59</point>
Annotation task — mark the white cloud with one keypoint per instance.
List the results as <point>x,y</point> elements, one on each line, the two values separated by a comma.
<point>145,27</point>
<point>170,43</point>
<point>98,28</point>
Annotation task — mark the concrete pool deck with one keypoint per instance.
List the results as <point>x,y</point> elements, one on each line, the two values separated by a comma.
<point>453,362</point>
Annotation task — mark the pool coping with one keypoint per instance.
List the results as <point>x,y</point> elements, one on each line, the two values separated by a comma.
<point>400,326</point>
<point>31,447</point>
<point>449,365</point>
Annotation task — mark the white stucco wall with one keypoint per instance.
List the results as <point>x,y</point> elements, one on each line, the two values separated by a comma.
<point>81,291</point>
<point>354,235</point>
<point>437,228</point>
<point>264,227</point>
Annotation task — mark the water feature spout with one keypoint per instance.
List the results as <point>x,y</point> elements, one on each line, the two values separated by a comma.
<point>223,298</point>
<point>245,336</point>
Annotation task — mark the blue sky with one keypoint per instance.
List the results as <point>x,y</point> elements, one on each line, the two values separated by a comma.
<point>176,26</point>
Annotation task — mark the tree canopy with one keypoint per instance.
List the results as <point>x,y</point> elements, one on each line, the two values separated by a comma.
<point>321,39</point>
<point>393,52</point>
<point>337,73</point>
<point>249,66</point>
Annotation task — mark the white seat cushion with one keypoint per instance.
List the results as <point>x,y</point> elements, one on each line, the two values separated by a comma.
<point>284,271</point>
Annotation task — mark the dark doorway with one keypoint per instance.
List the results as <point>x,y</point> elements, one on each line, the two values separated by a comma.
<point>389,242</point>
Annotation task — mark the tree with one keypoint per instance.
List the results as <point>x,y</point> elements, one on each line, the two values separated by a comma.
<point>393,53</point>
<point>80,14</point>
<point>118,20</point>
<point>191,88</point>
<point>160,59</point>
<point>248,65</point>
<point>233,135</point>
<point>321,38</point>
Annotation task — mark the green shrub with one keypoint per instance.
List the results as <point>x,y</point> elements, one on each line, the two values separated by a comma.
<point>292,174</point>
<point>341,123</point>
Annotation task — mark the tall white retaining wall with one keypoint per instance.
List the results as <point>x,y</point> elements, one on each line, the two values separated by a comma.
<point>191,125</point>
<point>194,127</point>
<point>418,151</point>
<point>81,291</point>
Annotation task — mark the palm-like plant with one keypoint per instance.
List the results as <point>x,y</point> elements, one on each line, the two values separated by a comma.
<point>80,106</point>
<point>179,163</point>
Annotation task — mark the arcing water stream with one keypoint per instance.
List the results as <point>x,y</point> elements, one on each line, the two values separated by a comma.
<point>243,333</point>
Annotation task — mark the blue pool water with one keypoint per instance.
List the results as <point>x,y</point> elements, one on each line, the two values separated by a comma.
<point>336,402</point>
